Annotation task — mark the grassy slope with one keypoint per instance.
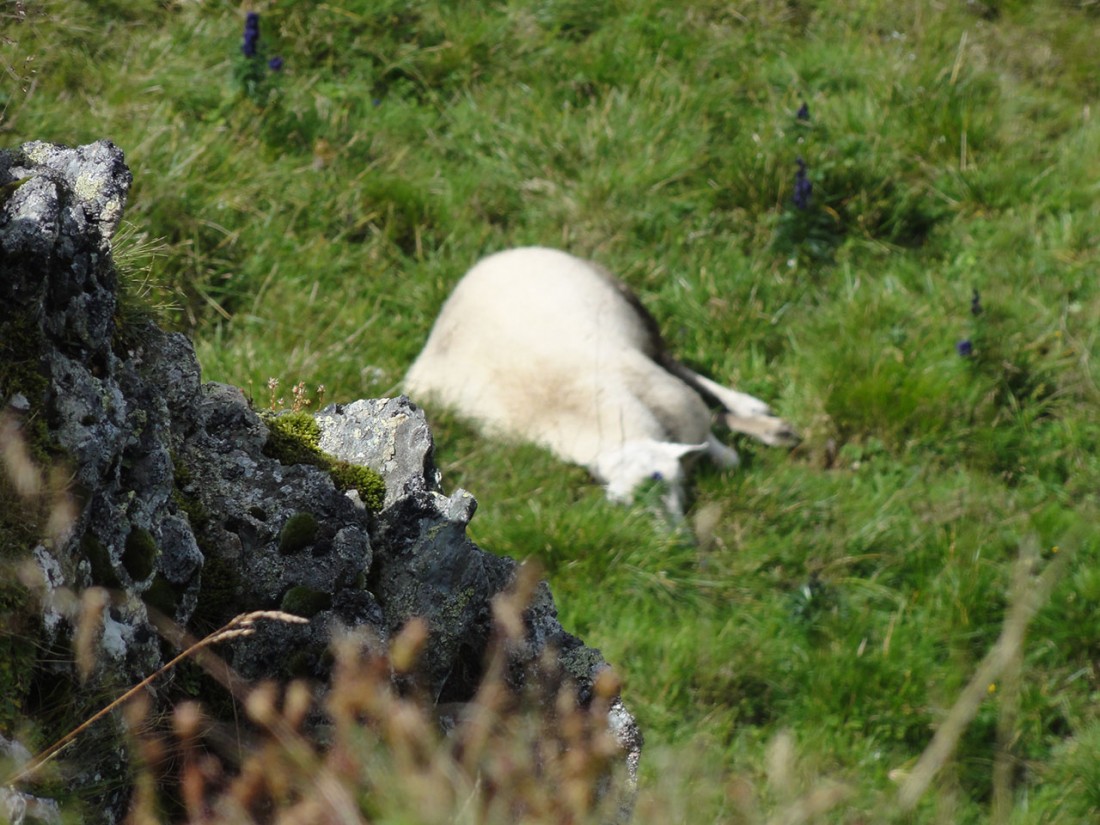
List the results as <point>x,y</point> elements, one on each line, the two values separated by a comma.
<point>844,591</point>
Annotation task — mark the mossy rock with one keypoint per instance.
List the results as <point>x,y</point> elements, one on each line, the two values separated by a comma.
<point>294,438</point>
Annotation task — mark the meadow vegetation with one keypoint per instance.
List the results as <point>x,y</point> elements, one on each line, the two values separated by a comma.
<point>918,295</point>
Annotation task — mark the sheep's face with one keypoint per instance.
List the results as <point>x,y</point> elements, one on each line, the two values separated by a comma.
<point>624,469</point>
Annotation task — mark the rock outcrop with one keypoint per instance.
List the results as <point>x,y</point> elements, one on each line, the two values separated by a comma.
<point>184,509</point>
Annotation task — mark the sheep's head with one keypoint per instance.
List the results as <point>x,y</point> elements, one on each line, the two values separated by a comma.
<point>622,470</point>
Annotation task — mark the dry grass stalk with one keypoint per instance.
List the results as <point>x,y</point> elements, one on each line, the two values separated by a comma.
<point>528,756</point>
<point>93,602</point>
<point>242,625</point>
<point>1029,594</point>
<point>25,476</point>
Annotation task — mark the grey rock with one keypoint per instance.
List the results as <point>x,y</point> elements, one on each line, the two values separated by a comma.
<point>67,209</point>
<point>389,435</point>
<point>184,510</point>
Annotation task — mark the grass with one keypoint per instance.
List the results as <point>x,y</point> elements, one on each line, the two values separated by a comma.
<point>846,592</point>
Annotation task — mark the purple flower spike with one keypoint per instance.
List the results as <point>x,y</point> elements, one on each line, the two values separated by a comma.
<point>275,64</point>
<point>251,34</point>
<point>803,188</point>
<point>965,348</point>
<point>803,112</point>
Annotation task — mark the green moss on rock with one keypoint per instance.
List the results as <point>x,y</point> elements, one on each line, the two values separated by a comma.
<point>99,558</point>
<point>189,503</point>
<point>370,486</point>
<point>305,601</point>
<point>294,438</point>
<point>140,554</point>
<point>298,533</point>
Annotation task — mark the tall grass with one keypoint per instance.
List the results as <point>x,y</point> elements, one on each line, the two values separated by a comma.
<point>844,593</point>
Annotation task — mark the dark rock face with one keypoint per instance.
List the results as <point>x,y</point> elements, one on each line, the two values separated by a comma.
<point>430,568</point>
<point>181,511</point>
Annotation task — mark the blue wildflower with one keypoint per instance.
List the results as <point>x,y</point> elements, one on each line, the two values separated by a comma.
<point>976,304</point>
<point>803,189</point>
<point>965,348</point>
<point>275,63</point>
<point>251,34</point>
<point>803,112</point>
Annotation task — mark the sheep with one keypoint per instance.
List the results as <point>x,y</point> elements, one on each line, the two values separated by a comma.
<point>537,345</point>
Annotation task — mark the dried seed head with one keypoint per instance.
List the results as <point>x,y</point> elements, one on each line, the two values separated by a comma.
<point>406,648</point>
<point>21,469</point>
<point>607,684</point>
<point>260,704</point>
<point>297,702</point>
<point>187,720</point>
<point>93,601</point>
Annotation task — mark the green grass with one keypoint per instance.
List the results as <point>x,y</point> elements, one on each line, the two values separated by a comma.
<point>844,592</point>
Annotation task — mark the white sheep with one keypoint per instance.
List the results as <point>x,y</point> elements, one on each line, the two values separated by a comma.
<point>538,345</point>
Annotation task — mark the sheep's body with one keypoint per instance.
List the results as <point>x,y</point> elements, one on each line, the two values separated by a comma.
<point>538,345</point>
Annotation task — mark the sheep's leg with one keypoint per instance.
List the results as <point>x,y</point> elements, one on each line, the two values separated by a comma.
<point>775,432</point>
<point>721,454</point>
<point>746,414</point>
<point>740,404</point>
